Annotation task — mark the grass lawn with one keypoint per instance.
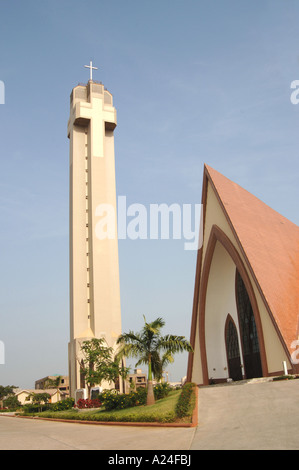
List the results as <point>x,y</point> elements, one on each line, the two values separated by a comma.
<point>163,411</point>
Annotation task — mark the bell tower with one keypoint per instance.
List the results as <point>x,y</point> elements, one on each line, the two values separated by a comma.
<point>94,266</point>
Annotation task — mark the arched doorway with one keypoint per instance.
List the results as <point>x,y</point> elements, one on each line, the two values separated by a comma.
<point>200,310</point>
<point>232,350</point>
<point>248,331</point>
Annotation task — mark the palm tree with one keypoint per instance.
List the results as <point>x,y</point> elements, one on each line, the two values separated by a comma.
<point>166,359</point>
<point>148,345</point>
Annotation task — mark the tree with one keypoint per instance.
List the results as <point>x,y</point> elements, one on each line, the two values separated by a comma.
<point>5,392</point>
<point>39,398</point>
<point>98,363</point>
<point>148,346</point>
<point>12,402</point>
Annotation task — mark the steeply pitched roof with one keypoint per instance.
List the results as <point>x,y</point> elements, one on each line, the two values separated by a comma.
<point>270,245</point>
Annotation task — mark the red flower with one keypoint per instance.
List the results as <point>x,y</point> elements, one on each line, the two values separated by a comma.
<point>82,403</point>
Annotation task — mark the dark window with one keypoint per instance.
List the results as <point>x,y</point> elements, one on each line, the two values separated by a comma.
<point>232,341</point>
<point>250,342</point>
<point>233,351</point>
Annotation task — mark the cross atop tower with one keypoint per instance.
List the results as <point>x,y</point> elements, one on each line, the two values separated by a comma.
<point>91,68</point>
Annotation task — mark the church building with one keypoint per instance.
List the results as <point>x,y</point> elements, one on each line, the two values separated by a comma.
<point>246,296</point>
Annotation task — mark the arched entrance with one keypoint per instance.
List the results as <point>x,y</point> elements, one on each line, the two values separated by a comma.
<point>232,350</point>
<point>256,362</point>
<point>248,331</point>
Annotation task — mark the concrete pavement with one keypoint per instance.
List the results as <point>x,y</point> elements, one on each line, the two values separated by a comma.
<point>27,434</point>
<point>249,416</point>
<point>242,416</point>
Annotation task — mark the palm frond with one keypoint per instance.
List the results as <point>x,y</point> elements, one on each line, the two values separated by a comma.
<point>130,337</point>
<point>129,350</point>
<point>175,344</point>
<point>167,358</point>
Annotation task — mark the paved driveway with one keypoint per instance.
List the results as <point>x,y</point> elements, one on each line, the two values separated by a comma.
<point>250,416</point>
<point>244,416</point>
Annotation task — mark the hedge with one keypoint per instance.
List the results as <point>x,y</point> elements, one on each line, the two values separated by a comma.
<point>62,405</point>
<point>186,400</point>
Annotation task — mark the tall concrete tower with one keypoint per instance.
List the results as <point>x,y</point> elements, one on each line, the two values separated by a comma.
<point>94,268</point>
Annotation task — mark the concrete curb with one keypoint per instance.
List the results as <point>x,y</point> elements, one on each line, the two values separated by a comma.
<point>112,423</point>
<point>194,420</point>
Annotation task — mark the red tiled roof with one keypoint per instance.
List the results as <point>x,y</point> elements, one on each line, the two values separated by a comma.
<point>270,244</point>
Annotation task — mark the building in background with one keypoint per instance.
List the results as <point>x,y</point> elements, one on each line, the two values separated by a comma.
<point>22,395</point>
<point>137,379</point>
<point>60,382</point>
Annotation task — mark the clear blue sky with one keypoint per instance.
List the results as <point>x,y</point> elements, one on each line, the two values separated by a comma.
<point>193,82</point>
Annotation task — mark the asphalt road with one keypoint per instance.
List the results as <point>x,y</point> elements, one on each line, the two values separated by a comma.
<point>250,416</point>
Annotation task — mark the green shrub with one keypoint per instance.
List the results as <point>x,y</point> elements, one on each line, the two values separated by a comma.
<point>138,418</point>
<point>186,399</point>
<point>110,399</point>
<point>12,403</point>
<point>33,408</point>
<point>139,397</point>
<point>161,390</point>
<point>62,405</point>
<point>113,400</point>
<point>283,377</point>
